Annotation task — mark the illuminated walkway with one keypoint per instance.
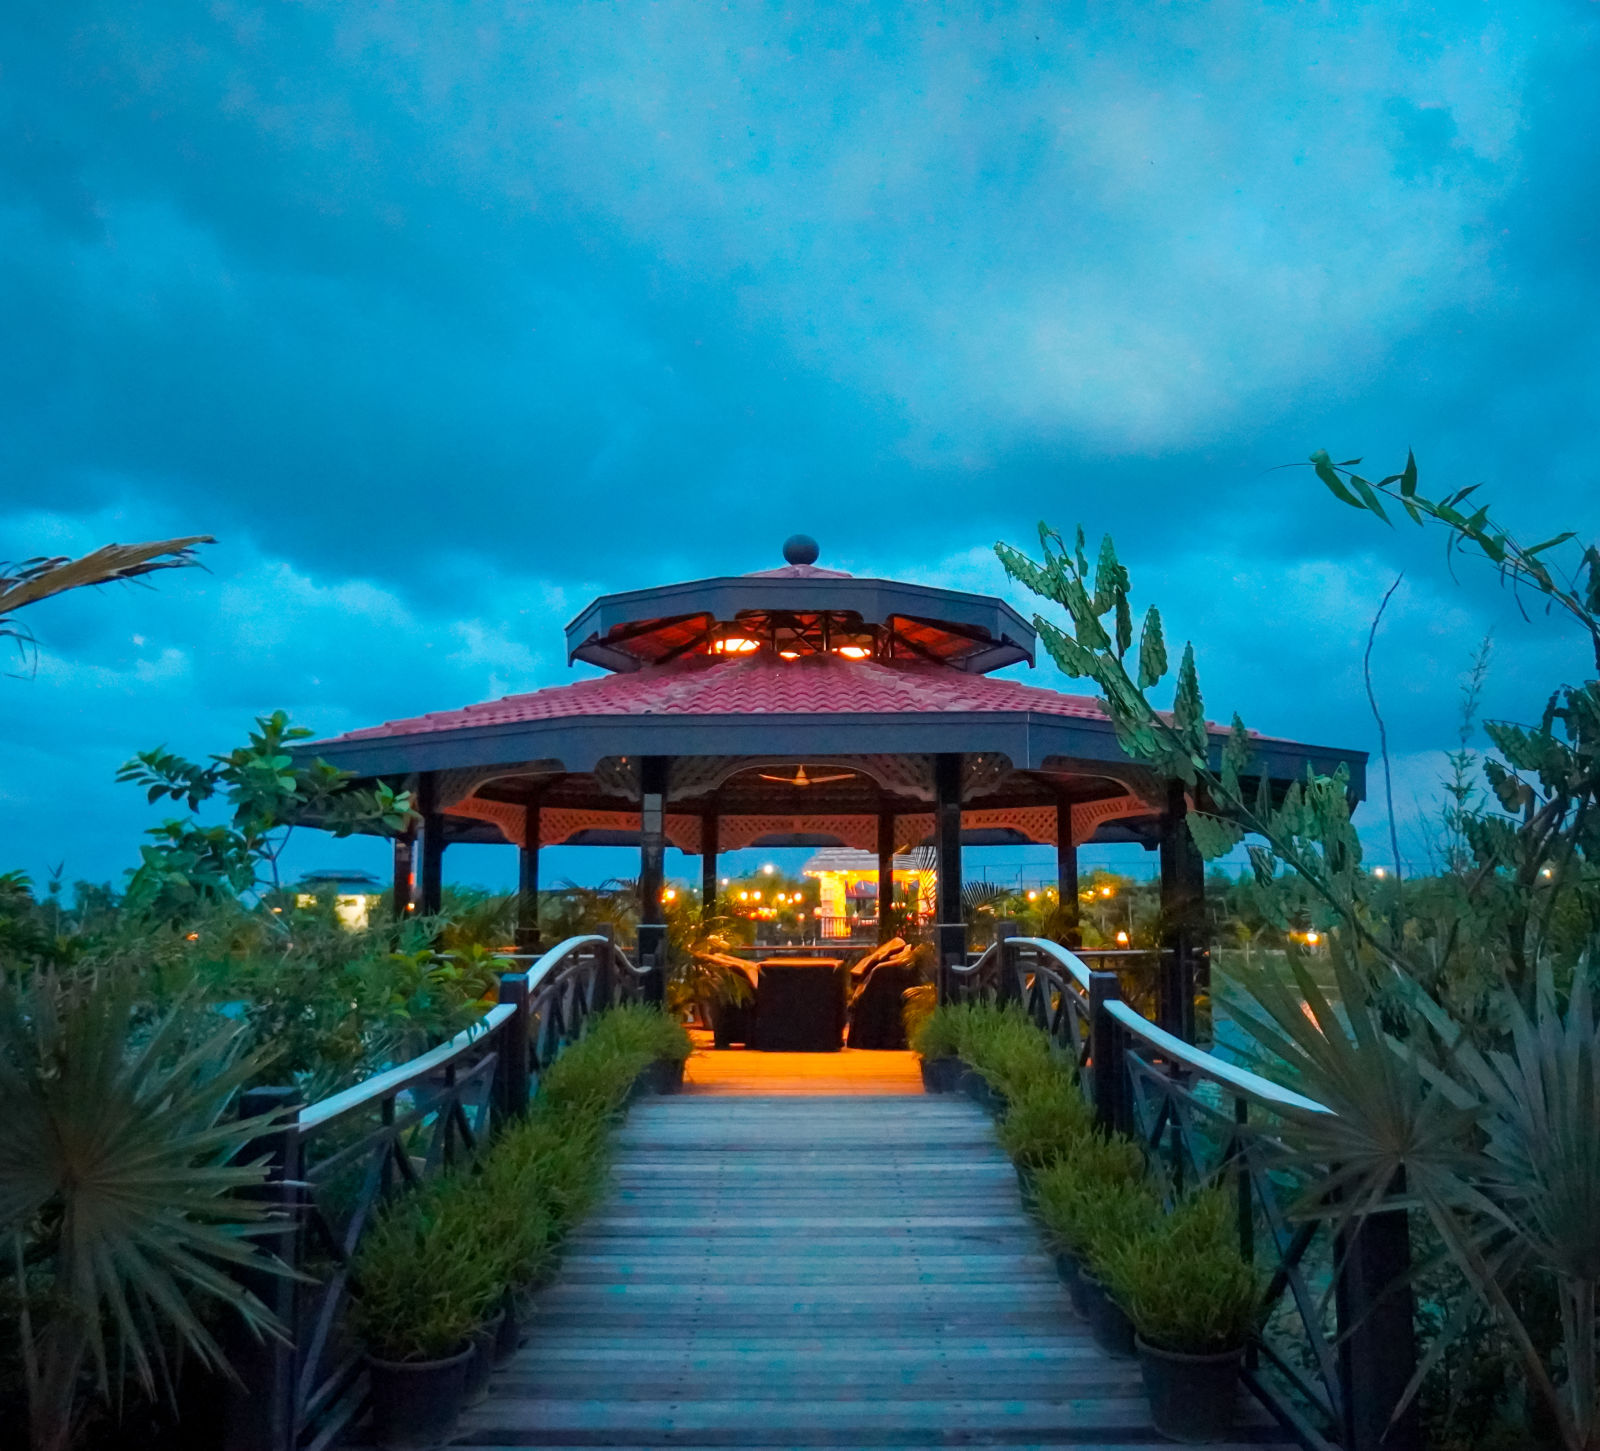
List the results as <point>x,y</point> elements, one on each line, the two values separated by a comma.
<point>810,1270</point>
<point>736,1071</point>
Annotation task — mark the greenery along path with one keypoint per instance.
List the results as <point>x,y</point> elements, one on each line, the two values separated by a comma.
<point>792,1271</point>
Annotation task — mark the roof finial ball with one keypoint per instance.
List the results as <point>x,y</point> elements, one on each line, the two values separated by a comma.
<point>800,549</point>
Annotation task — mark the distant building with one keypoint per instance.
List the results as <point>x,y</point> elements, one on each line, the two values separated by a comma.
<point>354,894</point>
<point>847,888</point>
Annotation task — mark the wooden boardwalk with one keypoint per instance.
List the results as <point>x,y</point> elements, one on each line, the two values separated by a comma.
<point>811,1271</point>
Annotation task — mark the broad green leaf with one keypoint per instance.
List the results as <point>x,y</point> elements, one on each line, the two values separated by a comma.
<point>1327,473</point>
<point>1408,479</point>
<point>1152,650</point>
<point>1214,836</point>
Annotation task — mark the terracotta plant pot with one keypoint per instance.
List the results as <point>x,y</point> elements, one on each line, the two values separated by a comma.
<point>415,1402</point>
<point>484,1339</point>
<point>1110,1326</point>
<point>1192,1397</point>
<point>940,1075</point>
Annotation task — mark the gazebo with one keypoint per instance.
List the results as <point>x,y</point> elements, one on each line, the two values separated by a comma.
<point>798,706</point>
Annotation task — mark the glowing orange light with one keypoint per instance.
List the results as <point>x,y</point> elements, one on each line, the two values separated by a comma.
<point>854,652</point>
<point>1107,892</point>
<point>1122,939</point>
<point>744,896</point>
<point>1312,939</point>
<point>756,895</point>
<point>1033,896</point>
<point>192,937</point>
<point>789,654</point>
<point>669,895</point>
<point>735,645</point>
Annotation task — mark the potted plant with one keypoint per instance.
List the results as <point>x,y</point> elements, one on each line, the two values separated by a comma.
<point>1194,1302</point>
<point>1048,1121</point>
<point>936,1041</point>
<point>1089,1202</point>
<point>427,1281</point>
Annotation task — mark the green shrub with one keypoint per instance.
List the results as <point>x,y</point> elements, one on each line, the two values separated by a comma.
<point>1183,1282</point>
<point>933,1032</point>
<point>1047,1121</point>
<point>428,1273</point>
<point>595,1073</point>
<point>1095,1197</point>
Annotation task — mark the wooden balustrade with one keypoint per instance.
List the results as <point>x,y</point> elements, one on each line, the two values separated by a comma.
<point>1337,1348</point>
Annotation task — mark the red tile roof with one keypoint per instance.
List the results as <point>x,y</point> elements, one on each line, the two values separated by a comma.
<point>700,685</point>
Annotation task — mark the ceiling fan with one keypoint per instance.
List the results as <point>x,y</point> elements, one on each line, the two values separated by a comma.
<point>801,779</point>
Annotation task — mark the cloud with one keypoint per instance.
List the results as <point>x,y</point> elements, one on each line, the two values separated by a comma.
<point>445,323</point>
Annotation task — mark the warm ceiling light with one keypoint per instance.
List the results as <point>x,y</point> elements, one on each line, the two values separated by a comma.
<point>735,645</point>
<point>855,652</point>
<point>789,654</point>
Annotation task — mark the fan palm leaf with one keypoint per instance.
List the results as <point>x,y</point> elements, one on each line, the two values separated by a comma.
<point>39,579</point>
<point>120,1175</point>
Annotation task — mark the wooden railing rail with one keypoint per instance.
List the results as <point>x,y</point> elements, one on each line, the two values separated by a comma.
<point>1337,1348</point>
<point>333,1163</point>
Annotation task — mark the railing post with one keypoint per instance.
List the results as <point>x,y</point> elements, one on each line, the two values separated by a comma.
<point>1108,1055</point>
<point>511,1077</point>
<point>605,990</point>
<point>1377,1330</point>
<point>1008,986</point>
<point>259,1407</point>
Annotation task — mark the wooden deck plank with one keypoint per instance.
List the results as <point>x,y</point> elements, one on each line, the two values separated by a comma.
<point>783,1269</point>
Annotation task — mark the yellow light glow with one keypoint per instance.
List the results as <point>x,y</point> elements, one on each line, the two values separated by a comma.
<point>1312,939</point>
<point>1033,896</point>
<point>744,896</point>
<point>789,654</point>
<point>669,895</point>
<point>1545,872</point>
<point>1107,892</point>
<point>724,881</point>
<point>735,645</point>
<point>756,895</point>
<point>769,869</point>
<point>1122,939</point>
<point>854,652</point>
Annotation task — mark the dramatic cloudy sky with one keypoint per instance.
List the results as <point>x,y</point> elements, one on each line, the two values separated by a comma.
<point>444,318</point>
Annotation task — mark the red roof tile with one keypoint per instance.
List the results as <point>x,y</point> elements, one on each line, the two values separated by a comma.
<point>700,685</point>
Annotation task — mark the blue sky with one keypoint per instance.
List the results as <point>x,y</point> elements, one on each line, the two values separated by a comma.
<point>443,319</point>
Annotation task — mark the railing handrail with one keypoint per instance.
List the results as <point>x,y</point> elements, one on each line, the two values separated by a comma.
<point>403,1075</point>
<point>1064,956</point>
<point>1241,1080</point>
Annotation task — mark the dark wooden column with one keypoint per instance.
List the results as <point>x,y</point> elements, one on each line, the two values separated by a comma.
<point>652,869</point>
<point>528,880</point>
<point>1185,956</point>
<point>885,873</point>
<point>950,929</point>
<point>430,879</point>
<point>1067,873</point>
<point>405,854</point>
<point>708,865</point>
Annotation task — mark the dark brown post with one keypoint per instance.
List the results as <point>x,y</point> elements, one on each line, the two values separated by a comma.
<point>528,880</point>
<point>1113,1105</point>
<point>512,1078</point>
<point>1377,1331</point>
<point>950,928</point>
<point>259,1408</point>
<point>652,871</point>
<point>404,865</point>
<point>1008,981</point>
<point>885,873</point>
<point>708,866</point>
<point>431,883</point>
<point>1067,872</point>
<point>1184,953</point>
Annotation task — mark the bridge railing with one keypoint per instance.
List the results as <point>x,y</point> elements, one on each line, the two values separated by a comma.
<point>1337,1347</point>
<point>333,1163</point>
